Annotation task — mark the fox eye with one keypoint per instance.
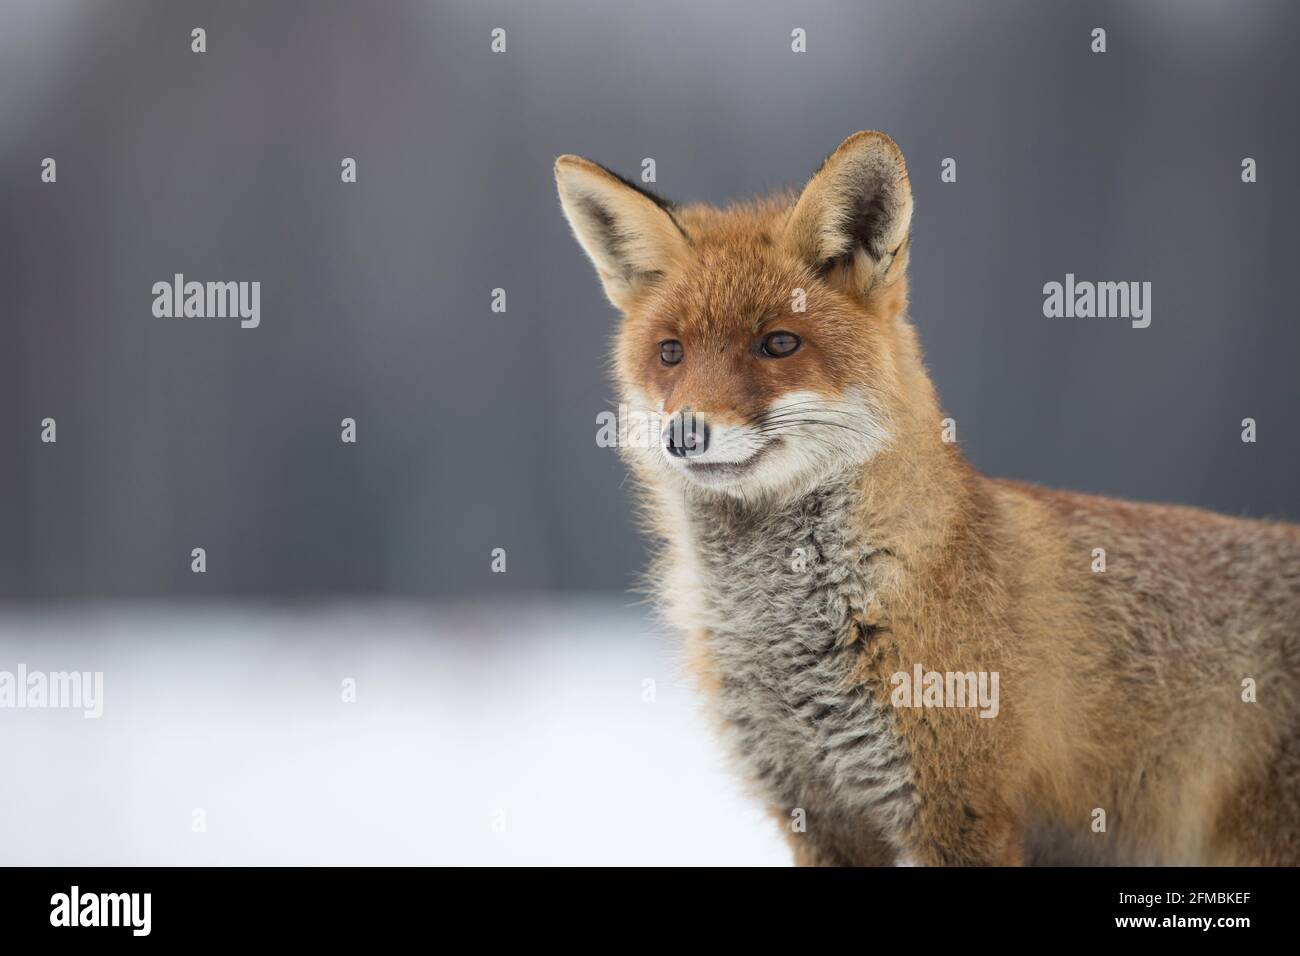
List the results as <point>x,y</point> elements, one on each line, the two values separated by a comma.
<point>780,344</point>
<point>671,352</point>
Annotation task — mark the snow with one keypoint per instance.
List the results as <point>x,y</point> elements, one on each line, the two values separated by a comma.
<point>504,732</point>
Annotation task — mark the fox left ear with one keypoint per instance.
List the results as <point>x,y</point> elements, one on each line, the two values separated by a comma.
<point>852,220</point>
<point>630,234</point>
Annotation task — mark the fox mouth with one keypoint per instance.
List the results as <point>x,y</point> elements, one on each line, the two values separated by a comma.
<point>717,472</point>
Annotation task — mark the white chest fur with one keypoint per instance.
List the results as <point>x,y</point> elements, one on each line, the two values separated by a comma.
<point>779,590</point>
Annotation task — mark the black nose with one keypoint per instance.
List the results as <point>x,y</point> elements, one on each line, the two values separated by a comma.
<point>686,436</point>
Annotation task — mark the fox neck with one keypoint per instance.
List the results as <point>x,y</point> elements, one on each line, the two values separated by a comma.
<point>918,495</point>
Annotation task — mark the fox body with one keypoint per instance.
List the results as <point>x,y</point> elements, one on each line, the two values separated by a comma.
<point>820,542</point>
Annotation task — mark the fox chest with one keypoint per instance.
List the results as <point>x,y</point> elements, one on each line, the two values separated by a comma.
<point>779,593</point>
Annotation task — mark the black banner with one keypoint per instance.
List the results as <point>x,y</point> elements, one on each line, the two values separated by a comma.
<point>376,905</point>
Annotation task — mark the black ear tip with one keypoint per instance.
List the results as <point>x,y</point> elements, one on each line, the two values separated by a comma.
<point>664,204</point>
<point>571,163</point>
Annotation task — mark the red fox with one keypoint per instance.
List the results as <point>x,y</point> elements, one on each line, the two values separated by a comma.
<point>913,663</point>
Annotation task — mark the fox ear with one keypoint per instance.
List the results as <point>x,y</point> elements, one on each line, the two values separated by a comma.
<point>851,221</point>
<point>629,234</point>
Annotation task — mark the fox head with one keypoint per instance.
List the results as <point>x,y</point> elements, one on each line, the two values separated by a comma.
<point>768,339</point>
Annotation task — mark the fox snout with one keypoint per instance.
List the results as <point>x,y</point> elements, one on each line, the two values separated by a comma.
<point>686,436</point>
<point>714,452</point>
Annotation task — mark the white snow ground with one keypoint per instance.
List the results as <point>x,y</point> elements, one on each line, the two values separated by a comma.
<point>508,734</point>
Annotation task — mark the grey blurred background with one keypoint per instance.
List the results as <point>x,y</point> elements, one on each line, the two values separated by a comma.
<point>477,430</point>
<point>520,696</point>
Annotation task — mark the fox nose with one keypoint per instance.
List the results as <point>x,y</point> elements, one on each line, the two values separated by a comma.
<point>686,436</point>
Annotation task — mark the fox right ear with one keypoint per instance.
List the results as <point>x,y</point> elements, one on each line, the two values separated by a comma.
<point>628,233</point>
<point>852,221</point>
